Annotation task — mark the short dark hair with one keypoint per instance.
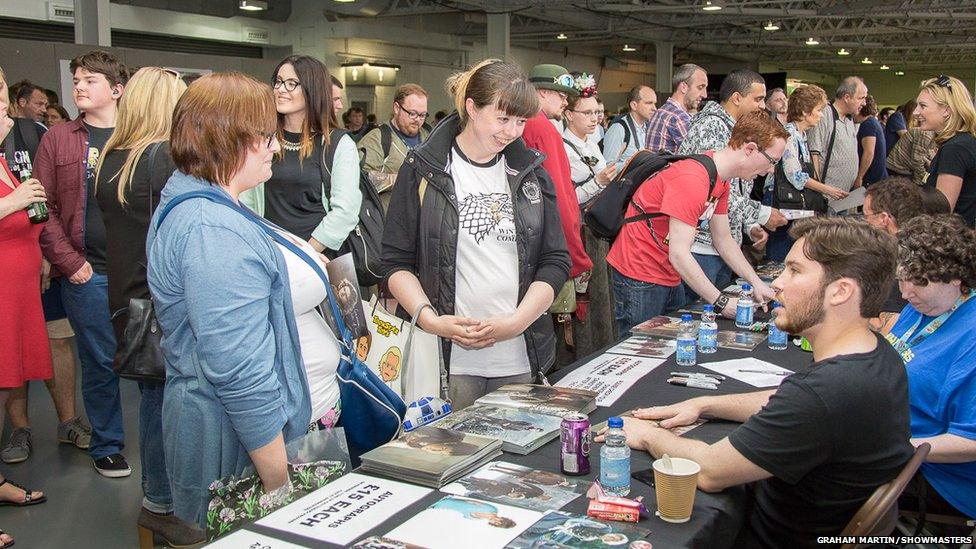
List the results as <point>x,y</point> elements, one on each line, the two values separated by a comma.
<point>870,108</point>
<point>634,93</point>
<point>898,197</point>
<point>937,248</point>
<point>25,91</point>
<point>355,109</point>
<point>104,63</point>
<point>739,80</point>
<point>850,248</point>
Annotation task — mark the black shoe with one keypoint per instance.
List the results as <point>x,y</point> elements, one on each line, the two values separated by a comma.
<point>113,466</point>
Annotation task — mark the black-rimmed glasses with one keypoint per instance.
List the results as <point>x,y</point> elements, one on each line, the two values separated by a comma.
<point>772,161</point>
<point>289,85</point>
<point>413,115</point>
<point>269,135</point>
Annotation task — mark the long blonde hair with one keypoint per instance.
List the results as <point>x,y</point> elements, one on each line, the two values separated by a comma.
<point>955,97</point>
<point>145,117</point>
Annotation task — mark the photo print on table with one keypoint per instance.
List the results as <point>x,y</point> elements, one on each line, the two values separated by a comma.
<point>465,522</point>
<point>512,484</point>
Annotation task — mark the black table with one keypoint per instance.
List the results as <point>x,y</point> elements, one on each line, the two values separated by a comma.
<point>716,518</point>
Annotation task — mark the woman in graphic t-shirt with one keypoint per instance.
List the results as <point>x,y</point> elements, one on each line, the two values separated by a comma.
<point>473,230</point>
<point>319,203</point>
<point>945,107</point>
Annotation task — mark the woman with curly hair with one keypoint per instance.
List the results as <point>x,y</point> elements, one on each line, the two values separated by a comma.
<point>945,107</point>
<point>937,275</point>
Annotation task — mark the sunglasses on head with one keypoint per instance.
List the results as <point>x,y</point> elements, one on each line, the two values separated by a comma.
<point>943,81</point>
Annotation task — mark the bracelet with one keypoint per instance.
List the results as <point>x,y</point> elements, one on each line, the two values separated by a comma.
<point>720,303</point>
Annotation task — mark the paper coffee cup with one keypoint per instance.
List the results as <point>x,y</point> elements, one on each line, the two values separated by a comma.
<point>675,488</point>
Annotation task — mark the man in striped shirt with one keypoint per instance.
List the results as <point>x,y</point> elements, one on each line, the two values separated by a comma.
<point>669,124</point>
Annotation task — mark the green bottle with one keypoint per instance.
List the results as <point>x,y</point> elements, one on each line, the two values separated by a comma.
<point>36,212</point>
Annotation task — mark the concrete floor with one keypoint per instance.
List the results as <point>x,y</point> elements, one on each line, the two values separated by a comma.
<point>83,509</point>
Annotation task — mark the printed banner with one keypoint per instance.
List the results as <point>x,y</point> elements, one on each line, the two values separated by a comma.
<point>609,375</point>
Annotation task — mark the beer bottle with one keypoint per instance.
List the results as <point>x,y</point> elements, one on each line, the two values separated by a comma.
<point>36,212</point>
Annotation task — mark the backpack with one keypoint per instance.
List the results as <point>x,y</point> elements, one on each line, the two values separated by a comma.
<point>605,214</point>
<point>626,121</point>
<point>365,241</point>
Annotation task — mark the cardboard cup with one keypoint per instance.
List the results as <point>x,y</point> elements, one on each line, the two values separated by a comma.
<point>675,488</point>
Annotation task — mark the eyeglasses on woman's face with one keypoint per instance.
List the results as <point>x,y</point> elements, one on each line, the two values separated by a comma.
<point>288,84</point>
<point>588,114</point>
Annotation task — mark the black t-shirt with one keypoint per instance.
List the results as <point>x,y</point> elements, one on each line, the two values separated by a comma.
<point>957,157</point>
<point>293,195</point>
<point>126,226</point>
<point>830,435</point>
<point>95,246</point>
<point>20,156</point>
<point>895,303</point>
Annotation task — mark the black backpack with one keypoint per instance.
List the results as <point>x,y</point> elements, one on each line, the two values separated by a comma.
<point>365,241</point>
<point>625,121</point>
<point>605,214</point>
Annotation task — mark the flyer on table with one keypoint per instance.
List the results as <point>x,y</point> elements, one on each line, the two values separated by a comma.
<point>463,523</point>
<point>245,539</point>
<point>342,511</point>
<point>609,375</point>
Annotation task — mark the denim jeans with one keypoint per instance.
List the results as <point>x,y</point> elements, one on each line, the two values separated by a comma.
<point>636,301</point>
<point>87,308</point>
<point>779,244</point>
<point>715,270</point>
<point>158,497</point>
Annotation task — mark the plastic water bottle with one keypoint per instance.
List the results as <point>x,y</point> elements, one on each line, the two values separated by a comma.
<point>708,331</point>
<point>615,459</point>
<point>687,341</point>
<point>743,312</point>
<point>777,338</point>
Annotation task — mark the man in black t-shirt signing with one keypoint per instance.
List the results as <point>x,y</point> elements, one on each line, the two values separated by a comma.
<point>818,446</point>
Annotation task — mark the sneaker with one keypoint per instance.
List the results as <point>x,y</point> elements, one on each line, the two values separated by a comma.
<point>74,431</point>
<point>18,448</point>
<point>113,466</point>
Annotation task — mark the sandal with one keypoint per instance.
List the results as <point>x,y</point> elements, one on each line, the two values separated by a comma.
<point>28,500</point>
<point>11,544</point>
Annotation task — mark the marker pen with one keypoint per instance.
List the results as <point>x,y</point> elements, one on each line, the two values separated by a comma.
<point>691,382</point>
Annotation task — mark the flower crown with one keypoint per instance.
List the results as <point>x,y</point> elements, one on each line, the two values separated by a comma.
<point>585,84</point>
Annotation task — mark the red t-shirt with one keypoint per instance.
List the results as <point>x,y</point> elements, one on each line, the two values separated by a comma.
<point>679,191</point>
<point>542,136</point>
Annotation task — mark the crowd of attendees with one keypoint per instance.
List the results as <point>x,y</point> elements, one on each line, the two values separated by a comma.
<point>483,223</point>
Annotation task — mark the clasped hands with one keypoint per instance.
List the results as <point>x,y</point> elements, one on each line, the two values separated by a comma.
<point>472,333</point>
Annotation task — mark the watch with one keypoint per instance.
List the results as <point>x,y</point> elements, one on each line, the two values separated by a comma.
<point>721,302</point>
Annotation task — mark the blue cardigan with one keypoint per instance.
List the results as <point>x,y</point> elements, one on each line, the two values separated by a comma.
<point>234,371</point>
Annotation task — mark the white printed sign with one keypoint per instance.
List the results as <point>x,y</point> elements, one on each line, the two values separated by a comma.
<point>345,509</point>
<point>609,375</point>
<point>245,539</point>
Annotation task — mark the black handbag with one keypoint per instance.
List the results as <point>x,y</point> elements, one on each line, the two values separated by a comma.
<point>139,356</point>
<point>788,197</point>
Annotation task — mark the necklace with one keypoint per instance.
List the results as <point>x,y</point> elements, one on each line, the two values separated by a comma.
<point>289,146</point>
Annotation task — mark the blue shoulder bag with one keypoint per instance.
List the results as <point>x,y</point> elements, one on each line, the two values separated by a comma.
<point>376,412</point>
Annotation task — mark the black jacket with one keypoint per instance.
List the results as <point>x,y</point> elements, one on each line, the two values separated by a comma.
<point>422,239</point>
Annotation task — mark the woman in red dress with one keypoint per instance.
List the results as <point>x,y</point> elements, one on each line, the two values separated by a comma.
<point>24,351</point>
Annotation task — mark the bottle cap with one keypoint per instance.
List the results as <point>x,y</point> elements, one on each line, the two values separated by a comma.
<point>686,317</point>
<point>708,308</point>
<point>774,305</point>
<point>615,422</point>
<point>746,287</point>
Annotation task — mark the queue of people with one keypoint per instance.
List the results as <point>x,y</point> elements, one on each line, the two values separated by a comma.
<point>182,194</point>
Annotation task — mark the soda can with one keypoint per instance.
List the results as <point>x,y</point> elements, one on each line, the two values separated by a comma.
<point>574,453</point>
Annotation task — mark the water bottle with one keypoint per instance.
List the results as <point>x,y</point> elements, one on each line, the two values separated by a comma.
<point>708,331</point>
<point>615,459</point>
<point>743,312</point>
<point>777,338</point>
<point>687,340</point>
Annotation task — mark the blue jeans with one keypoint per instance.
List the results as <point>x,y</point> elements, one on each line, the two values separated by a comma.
<point>715,270</point>
<point>636,301</point>
<point>155,482</point>
<point>780,242</point>
<point>87,308</point>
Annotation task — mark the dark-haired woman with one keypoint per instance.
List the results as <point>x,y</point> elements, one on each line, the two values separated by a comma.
<point>473,230</point>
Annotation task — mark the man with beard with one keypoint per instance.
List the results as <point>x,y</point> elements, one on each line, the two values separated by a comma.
<point>669,124</point>
<point>776,103</point>
<point>813,450</point>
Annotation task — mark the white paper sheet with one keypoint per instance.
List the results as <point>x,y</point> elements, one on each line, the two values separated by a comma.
<point>458,522</point>
<point>853,200</point>
<point>797,214</point>
<point>245,539</point>
<point>345,509</point>
<point>609,375</point>
<point>733,368</point>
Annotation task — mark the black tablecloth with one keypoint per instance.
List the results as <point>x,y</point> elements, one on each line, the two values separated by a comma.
<point>716,518</point>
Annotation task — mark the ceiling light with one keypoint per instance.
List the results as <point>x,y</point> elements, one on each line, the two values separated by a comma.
<point>343,1</point>
<point>561,36</point>
<point>253,5</point>
<point>866,61</point>
<point>811,42</point>
<point>629,48</point>
<point>842,51</point>
<point>884,67</point>
<point>899,73</point>
<point>709,6</point>
<point>770,26</point>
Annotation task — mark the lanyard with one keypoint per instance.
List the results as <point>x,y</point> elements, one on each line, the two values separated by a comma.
<point>902,344</point>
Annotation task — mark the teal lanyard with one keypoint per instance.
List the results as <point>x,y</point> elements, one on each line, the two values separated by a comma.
<point>903,344</point>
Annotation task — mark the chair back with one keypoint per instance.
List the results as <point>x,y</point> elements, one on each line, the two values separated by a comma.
<point>878,515</point>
